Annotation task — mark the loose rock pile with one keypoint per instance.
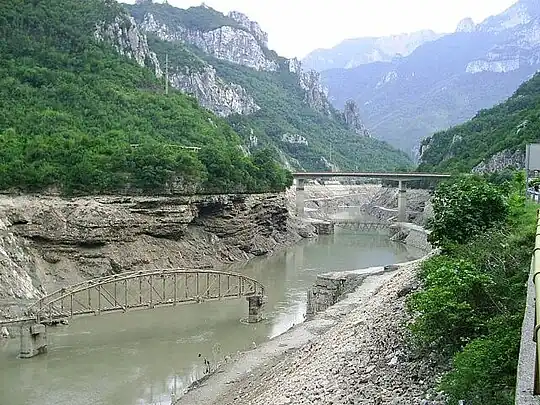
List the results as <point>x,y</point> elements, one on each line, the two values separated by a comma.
<point>362,360</point>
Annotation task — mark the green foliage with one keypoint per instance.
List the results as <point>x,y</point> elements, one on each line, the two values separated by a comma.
<point>285,111</point>
<point>508,126</point>
<point>452,304</point>
<point>473,298</point>
<point>79,118</point>
<point>463,209</point>
<point>485,371</point>
<point>282,101</point>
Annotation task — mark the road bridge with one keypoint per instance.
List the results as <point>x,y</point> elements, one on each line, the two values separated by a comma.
<point>122,292</point>
<point>401,178</point>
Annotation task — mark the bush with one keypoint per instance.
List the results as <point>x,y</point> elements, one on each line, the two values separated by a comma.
<point>464,209</point>
<point>449,309</point>
<point>472,303</point>
<point>485,371</point>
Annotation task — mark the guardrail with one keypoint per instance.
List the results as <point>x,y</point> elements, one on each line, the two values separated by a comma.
<point>536,281</point>
<point>528,372</point>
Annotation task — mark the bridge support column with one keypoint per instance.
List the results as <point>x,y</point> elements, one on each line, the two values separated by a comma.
<point>256,306</point>
<point>402,203</point>
<point>300,197</point>
<point>33,340</point>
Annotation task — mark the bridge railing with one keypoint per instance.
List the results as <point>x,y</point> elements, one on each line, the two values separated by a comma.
<point>143,289</point>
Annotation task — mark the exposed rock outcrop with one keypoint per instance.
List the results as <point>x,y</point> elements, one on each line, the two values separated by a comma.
<point>505,159</point>
<point>316,94</point>
<point>294,139</point>
<point>351,115</point>
<point>125,36</point>
<point>466,25</point>
<point>212,92</point>
<point>251,26</point>
<point>49,242</point>
<point>228,43</point>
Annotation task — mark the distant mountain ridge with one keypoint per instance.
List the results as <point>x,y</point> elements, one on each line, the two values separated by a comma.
<point>446,81</point>
<point>359,51</point>
<point>224,62</point>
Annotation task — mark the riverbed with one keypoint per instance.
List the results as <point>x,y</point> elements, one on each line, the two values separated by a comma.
<point>151,356</point>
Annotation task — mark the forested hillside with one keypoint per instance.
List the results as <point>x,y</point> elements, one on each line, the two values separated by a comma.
<point>78,117</point>
<point>294,117</point>
<point>508,126</point>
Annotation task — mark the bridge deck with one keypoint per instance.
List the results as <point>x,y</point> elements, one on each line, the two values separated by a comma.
<point>373,175</point>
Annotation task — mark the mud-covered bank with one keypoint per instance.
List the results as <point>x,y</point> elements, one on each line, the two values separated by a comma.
<point>50,242</point>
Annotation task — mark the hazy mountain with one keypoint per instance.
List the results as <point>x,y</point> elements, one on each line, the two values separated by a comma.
<point>359,51</point>
<point>446,81</point>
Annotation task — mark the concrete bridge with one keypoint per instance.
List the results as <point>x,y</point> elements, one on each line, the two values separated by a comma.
<point>401,178</point>
<point>133,290</point>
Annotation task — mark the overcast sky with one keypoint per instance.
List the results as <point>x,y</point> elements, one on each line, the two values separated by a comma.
<point>296,27</point>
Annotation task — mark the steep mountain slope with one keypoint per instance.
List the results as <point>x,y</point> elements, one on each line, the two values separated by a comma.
<point>492,140</point>
<point>359,51</point>
<point>225,63</point>
<point>84,112</point>
<point>444,82</point>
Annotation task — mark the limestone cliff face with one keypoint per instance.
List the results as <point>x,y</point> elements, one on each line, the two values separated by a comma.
<point>352,118</point>
<point>505,159</point>
<point>128,40</point>
<point>49,242</point>
<point>251,26</point>
<point>212,92</point>
<point>519,46</point>
<point>316,94</point>
<point>228,43</point>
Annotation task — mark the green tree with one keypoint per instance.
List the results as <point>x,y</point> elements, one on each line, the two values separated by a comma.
<point>464,209</point>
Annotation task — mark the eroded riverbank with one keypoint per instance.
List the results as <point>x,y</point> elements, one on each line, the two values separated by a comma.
<point>151,357</point>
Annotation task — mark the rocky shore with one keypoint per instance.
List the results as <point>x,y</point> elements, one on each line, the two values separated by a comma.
<point>352,353</point>
<point>50,242</point>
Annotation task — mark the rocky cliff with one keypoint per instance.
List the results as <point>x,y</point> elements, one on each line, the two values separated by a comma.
<point>229,43</point>
<point>49,242</point>
<point>212,92</point>
<point>270,101</point>
<point>352,118</point>
<point>124,34</point>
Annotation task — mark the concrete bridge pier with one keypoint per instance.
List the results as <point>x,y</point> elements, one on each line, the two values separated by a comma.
<point>256,306</point>
<point>33,340</point>
<point>402,203</point>
<point>300,197</point>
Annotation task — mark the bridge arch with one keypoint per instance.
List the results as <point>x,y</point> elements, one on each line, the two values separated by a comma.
<point>143,289</point>
<point>134,290</point>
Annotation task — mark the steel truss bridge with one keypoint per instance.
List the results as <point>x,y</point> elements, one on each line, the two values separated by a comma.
<point>358,225</point>
<point>138,290</point>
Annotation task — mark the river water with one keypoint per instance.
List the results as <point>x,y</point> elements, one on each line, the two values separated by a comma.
<point>150,356</point>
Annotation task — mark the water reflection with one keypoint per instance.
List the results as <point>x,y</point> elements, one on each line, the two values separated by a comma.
<point>148,357</point>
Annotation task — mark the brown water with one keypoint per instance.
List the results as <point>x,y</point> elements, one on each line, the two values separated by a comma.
<point>150,356</point>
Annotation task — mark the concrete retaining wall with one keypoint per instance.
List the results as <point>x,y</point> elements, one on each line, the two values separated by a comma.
<point>330,288</point>
<point>527,355</point>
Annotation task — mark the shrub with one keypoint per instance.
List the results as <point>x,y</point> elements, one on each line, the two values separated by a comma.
<point>464,209</point>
